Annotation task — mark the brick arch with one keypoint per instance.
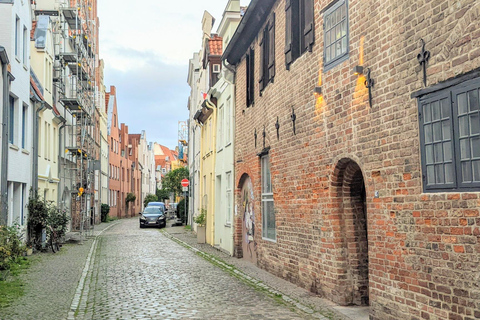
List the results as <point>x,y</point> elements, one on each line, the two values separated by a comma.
<point>238,239</point>
<point>349,201</point>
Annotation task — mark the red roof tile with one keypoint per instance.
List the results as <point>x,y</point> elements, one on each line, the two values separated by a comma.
<point>32,32</point>
<point>215,45</point>
<point>34,86</point>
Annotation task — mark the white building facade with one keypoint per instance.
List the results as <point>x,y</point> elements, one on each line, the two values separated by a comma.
<point>224,92</point>
<point>15,26</point>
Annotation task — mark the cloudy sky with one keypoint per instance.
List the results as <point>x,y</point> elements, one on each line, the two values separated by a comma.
<point>146,45</point>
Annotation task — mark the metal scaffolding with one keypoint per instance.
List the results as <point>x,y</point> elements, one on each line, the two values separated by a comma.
<point>76,57</point>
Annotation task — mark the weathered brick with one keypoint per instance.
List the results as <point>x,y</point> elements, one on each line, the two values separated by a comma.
<point>341,139</point>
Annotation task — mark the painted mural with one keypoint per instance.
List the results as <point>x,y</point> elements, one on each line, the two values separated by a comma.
<point>248,226</point>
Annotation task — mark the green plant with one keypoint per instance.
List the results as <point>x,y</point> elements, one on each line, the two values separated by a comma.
<point>104,210</point>
<point>181,212</point>
<point>37,218</point>
<point>149,198</point>
<point>130,198</point>
<point>58,220</point>
<point>11,246</point>
<point>163,194</point>
<point>173,178</point>
<point>201,219</point>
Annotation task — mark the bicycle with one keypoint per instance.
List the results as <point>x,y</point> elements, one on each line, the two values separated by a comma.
<point>53,240</point>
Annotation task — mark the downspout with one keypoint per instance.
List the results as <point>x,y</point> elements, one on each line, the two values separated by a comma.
<point>7,78</point>
<point>60,194</point>
<point>36,139</point>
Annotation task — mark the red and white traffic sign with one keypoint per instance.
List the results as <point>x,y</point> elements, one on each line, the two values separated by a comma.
<point>185,183</point>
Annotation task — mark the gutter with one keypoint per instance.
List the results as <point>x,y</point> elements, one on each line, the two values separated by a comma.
<point>7,78</point>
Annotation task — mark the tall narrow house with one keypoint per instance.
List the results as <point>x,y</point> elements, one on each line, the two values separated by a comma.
<point>17,134</point>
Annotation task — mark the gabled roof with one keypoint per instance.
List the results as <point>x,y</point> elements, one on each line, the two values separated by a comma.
<point>215,45</point>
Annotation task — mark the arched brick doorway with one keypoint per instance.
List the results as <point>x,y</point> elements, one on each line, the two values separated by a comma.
<point>349,187</point>
<point>246,211</point>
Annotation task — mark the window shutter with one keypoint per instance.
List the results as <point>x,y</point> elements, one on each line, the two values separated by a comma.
<point>271,48</point>
<point>288,34</point>
<point>252,76</point>
<point>262,62</point>
<point>248,78</point>
<point>309,32</point>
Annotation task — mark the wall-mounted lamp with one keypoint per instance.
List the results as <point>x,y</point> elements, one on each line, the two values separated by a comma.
<point>318,91</point>
<point>357,70</point>
<point>369,83</point>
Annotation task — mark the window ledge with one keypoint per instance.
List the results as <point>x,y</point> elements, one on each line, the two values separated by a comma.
<point>18,59</point>
<point>13,147</point>
<point>25,151</point>
<point>228,145</point>
<point>25,67</point>
<point>269,240</point>
<point>220,150</point>
<point>228,225</point>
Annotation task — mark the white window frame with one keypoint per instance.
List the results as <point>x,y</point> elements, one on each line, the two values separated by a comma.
<point>228,215</point>
<point>267,199</point>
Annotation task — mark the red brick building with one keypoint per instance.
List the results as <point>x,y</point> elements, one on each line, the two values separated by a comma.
<point>362,187</point>
<point>114,156</point>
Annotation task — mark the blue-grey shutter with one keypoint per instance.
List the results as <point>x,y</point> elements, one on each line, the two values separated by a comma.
<point>309,32</point>
<point>288,33</point>
<point>271,48</point>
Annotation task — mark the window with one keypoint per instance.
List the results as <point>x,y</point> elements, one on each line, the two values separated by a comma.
<point>46,144</point>
<point>299,29</point>
<point>450,137</point>
<point>268,213</point>
<point>25,42</point>
<point>17,36</point>
<point>220,128</point>
<point>250,77</point>
<point>55,144</point>
<point>335,26</point>
<point>267,54</point>
<point>228,217</point>
<point>228,121</point>
<point>11,121</point>
<point>24,126</point>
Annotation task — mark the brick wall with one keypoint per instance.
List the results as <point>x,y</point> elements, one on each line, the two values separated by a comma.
<point>423,248</point>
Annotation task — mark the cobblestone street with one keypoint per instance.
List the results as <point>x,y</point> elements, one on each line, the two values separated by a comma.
<point>125,272</point>
<point>141,274</point>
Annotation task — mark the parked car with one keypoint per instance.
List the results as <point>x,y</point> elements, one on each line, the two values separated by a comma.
<point>153,217</point>
<point>173,207</point>
<point>157,204</point>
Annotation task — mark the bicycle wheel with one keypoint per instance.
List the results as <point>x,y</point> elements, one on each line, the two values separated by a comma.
<point>53,244</point>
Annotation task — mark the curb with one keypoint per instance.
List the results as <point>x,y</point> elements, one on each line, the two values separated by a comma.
<point>247,279</point>
<point>81,284</point>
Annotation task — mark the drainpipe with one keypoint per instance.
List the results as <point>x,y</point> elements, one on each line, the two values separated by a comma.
<point>35,139</point>
<point>7,78</point>
<point>61,189</point>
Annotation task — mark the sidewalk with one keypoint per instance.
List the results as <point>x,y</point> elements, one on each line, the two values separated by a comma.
<point>246,271</point>
<point>52,280</point>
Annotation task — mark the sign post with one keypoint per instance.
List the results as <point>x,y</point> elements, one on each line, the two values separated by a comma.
<point>185,183</point>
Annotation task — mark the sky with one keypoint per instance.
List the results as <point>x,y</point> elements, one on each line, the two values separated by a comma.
<point>146,45</point>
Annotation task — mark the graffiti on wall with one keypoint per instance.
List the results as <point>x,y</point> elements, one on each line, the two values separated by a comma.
<point>248,228</point>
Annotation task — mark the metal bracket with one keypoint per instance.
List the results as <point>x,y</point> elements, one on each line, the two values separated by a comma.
<point>293,116</point>
<point>277,126</point>
<point>369,83</point>
<point>255,135</point>
<point>422,58</point>
<point>264,135</point>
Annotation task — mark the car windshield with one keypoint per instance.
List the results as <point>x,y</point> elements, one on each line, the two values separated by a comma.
<point>153,210</point>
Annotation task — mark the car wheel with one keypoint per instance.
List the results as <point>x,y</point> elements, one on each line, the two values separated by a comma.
<point>142,226</point>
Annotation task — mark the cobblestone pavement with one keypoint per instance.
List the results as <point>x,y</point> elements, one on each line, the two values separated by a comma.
<point>50,283</point>
<point>298,296</point>
<point>123,272</point>
<point>142,274</point>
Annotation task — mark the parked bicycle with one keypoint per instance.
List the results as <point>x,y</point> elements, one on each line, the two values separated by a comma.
<point>53,240</point>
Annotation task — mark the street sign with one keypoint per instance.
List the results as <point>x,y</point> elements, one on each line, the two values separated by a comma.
<point>185,189</point>
<point>185,183</point>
